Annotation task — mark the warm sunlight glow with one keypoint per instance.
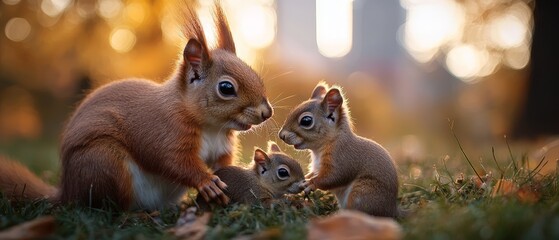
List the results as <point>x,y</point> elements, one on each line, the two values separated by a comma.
<point>17,29</point>
<point>170,29</point>
<point>11,2</point>
<point>257,25</point>
<point>122,40</point>
<point>475,37</point>
<point>109,8</point>
<point>205,13</point>
<point>54,8</point>
<point>429,25</point>
<point>466,61</point>
<point>490,66</point>
<point>507,31</point>
<point>334,27</point>
<point>253,25</point>
<point>136,12</point>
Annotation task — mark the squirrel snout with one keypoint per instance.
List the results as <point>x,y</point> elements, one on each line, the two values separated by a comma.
<point>266,110</point>
<point>282,135</point>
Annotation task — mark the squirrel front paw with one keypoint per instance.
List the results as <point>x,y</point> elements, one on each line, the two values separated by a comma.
<point>212,189</point>
<point>308,186</point>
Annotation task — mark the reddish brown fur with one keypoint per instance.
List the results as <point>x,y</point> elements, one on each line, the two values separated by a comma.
<point>251,186</point>
<point>224,36</point>
<point>158,127</point>
<point>17,182</point>
<point>357,170</point>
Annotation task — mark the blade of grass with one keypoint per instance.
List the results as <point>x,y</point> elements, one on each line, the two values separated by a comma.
<point>510,153</point>
<point>451,123</point>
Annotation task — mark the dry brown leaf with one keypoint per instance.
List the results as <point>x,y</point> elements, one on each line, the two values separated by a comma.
<point>527,195</point>
<point>348,224</point>
<point>38,228</point>
<point>190,226</point>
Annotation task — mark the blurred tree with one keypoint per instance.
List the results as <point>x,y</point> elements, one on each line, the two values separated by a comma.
<point>540,115</point>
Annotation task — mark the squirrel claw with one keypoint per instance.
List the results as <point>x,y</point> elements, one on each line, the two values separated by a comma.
<point>212,190</point>
<point>308,186</point>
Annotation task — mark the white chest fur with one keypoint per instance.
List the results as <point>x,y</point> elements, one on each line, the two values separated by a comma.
<point>315,162</point>
<point>215,143</point>
<point>151,191</point>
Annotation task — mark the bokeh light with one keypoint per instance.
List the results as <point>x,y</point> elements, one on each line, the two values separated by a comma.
<point>136,12</point>
<point>11,2</point>
<point>109,8</point>
<point>474,37</point>
<point>54,8</point>
<point>334,27</point>
<point>253,25</point>
<point>257,25</point>
<point>507,31</point>
<point>17,29</point>
<point>466,61</point>
<point>431,24</point>
<point>122,40</point>
<point>517,58</point>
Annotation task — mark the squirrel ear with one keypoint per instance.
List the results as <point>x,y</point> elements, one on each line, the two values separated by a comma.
<point>273,147</point>
<point>195,54</point>
<point>332,100</point>
<point>260,157</point>
<point>319,91</point>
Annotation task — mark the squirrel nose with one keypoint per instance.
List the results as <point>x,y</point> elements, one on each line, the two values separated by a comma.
<point>266,115</point>
<point>282,135</point>
<point>267,110</point>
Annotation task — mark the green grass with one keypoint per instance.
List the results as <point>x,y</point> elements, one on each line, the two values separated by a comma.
<point>75,222</point>
<point>445,201</point>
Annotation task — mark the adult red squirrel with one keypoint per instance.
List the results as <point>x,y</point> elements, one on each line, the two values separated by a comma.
<point>140,144</point>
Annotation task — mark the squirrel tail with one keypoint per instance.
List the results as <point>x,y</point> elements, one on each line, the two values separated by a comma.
<point>17,182</point>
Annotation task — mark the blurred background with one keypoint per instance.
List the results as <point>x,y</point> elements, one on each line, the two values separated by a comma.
<point>409,68</point>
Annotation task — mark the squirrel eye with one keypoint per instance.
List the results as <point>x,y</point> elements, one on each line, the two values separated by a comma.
<point>226,90</point>
<point>283,173</point>
<point>306,121</point>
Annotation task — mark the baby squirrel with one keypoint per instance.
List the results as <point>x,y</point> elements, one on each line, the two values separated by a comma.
<point>359,171</point>
<point>140,144</point>
<point>272,175</point>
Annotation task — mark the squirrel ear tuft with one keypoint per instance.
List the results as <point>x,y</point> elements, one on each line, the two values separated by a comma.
<point>273,147</point>
<point>224,36</point>
<point>332,100</point>
<point>260,157</point>
<point>319,91</point>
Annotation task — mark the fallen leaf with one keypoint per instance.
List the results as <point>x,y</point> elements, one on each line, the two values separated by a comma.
<point>504,187</point>
<point>38,228</point>
<point>527,194</point>
<point>348,224</point>
<point>271,233</point>
<point>191,226</point>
